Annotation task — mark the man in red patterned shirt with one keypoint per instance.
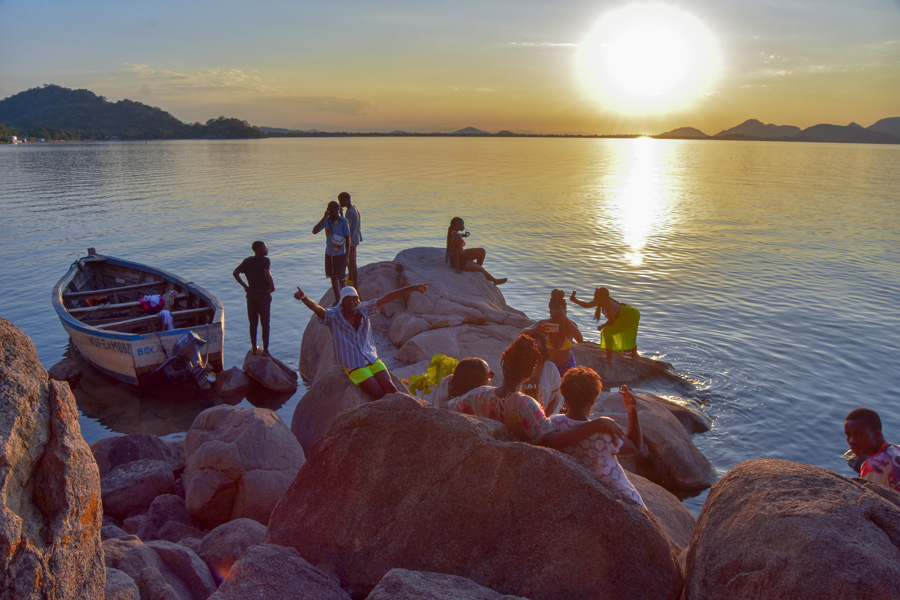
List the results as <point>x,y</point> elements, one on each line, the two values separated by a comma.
<point>881,460</point>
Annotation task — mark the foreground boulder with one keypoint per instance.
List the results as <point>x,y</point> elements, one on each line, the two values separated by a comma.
<point>239,462</point>
<point>277,573</point>
<point>400,584</point>
<point>425,489</point>
<point>778,529</point>
<point>161,571</point>
<point>676,521</point>
<point>669,456</point>
<point>224,545</point>
<point>50,506</point>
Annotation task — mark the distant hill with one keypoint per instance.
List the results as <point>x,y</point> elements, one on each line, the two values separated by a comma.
<point>849,133</point>
<point>684,133</point>
<point>56,112</point>
<point>754,128</point>
<point>470,131</point>
<point>890,125</point>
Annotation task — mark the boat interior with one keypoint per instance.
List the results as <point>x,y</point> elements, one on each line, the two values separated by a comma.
<point>109,296</point>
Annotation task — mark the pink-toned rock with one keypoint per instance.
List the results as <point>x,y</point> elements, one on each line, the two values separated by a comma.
<point>66,370</point>
<point>669,456</point>
<point>153,578</point>
<point>134,485</point>
<point>239,462</point>
<point>277,573</point>
<point>430,490</point>
<point>400,584</point>
<point>778,529</point>
<point>119,586</point>
<point>232,381</point>
<point>186,566</point>
<point>270,372</point>
<point>167,509</point>
<point>115,451</point>
<point>224,545</point>
<point>50,508</point>
<point>331,394</point>
<point>676,521</point>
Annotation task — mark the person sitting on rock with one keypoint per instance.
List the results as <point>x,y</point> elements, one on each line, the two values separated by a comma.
<point>470,373</point>
<point>543,385</point>
<point>558,333</point>
<point>581,386</point>
<point>520,413</point>
<point>462,258</point>
<point>879,461</point>
<point>619,333</point>
<point>354,347</point>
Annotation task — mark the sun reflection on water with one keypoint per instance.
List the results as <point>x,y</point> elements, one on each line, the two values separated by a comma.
<point>641,196</point>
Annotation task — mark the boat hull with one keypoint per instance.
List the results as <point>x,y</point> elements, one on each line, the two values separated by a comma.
<point>132,357</point>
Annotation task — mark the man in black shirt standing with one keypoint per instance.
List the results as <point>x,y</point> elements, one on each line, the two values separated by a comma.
<point>259,288</point>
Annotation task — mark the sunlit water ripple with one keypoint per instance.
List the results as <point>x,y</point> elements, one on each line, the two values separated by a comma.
<point>764,272</point>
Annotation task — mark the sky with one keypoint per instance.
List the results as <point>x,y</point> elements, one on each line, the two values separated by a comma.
<point>420,66</point>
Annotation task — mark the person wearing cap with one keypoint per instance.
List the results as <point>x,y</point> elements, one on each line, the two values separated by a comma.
<point>354,347</point>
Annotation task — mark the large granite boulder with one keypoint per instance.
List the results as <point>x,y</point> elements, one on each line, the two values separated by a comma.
<point>778,529</point>
<point>676,521</point>
<point>239,462</point>
<point>133,486</point>
<point>669,456</point>
<point>224,545</point>
<point>166,572</point>
<point>277,573</point>
<point>118,450</point>
<point>401,584</point>
<point>270,372</point>
<point>329,395</point>
<point>50,505</point>
<point>426,489</point>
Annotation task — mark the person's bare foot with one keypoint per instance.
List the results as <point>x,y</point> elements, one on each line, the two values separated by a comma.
<point>253,350</point>
<point>265,353</point>
<point>500,281</point>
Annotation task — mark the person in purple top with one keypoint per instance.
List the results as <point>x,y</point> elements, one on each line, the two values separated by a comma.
<point>337,245</point>
<point>259,288</point>
<point>354,347</point>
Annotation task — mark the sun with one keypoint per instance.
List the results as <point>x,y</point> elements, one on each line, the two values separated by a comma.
<point>648,59</point>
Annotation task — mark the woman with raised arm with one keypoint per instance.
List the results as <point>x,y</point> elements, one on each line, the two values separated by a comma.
<point>619,333</point>
<point>461,258</point>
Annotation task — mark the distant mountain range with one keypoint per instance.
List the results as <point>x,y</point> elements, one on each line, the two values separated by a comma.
<point>54,112</point>
<point>885,131</point>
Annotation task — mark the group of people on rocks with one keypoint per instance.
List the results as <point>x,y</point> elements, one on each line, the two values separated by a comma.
<point>544,398</point>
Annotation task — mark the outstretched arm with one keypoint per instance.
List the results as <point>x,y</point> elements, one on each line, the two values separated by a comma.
<point>561,439</point>
<point>399,293</point>
<point>582,303</point>
<point>310,303</point>
<point>634,439</point>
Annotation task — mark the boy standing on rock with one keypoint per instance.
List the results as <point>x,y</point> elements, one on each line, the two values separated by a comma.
<point>259,288</point>
<point>351,213</point>
<point>881,460</point>
<point>354,347</point>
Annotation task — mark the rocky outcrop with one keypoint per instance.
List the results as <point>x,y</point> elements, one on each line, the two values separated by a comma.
<point>676,521</point>
<point>270,372</point>
<point>50,505</point>
<point>429,490</point>
<point>461,315</point>
<point>400,584</point>
<point>777,529</point>
<point>277,573</point>
<point>239,462</point>
<point>669,457</point>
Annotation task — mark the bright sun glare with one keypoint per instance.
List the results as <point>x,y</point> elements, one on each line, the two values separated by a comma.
<point>648,59</point>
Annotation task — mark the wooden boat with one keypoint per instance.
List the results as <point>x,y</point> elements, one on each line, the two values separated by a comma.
<point>99,303</point>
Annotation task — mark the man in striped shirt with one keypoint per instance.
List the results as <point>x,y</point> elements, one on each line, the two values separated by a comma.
<point>354,347</point>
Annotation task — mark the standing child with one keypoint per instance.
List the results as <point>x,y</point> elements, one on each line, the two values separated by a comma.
<point>580,387</point>
<point>353,220</point>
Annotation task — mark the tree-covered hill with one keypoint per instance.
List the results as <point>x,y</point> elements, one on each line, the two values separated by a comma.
<point>55,112</point>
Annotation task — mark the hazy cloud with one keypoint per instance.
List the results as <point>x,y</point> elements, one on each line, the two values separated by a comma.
<point>217,80</point>
<point>335,104</point>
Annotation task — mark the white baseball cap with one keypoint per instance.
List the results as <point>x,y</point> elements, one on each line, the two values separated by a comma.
<point>348,291</point>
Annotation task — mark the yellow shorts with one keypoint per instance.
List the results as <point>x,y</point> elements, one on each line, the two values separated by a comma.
<point>359,375</point>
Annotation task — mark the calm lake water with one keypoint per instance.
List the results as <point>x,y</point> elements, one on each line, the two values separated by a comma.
<point>765,272</point>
